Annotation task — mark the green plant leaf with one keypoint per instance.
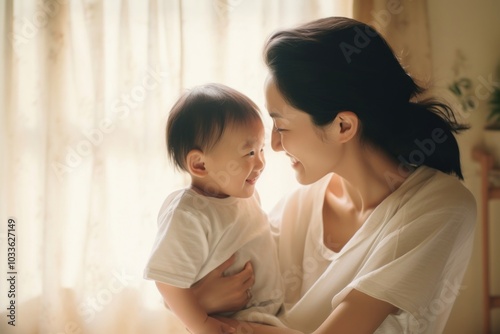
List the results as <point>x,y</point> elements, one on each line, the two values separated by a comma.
<point>455,89</point>
<point>465,82</point>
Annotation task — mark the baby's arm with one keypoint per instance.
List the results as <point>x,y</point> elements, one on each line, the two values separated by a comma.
<point>186,307</point>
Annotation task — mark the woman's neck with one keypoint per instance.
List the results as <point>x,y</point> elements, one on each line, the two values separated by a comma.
<point>369,179</point>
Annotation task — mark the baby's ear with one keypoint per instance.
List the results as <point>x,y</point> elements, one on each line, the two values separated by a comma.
<point>195,163</point>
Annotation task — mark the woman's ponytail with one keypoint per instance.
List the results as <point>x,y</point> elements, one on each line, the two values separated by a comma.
<point>429,138</point>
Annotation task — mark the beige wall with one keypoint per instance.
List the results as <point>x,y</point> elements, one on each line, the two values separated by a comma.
<point>473,27</point>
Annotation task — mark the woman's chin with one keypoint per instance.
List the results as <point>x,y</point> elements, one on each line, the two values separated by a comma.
<point>305,178</point>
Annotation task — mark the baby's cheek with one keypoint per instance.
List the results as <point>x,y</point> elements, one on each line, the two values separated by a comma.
<point>234,167</point>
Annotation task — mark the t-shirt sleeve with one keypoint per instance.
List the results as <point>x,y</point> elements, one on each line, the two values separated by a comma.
<point>180,248</point>
<point>424,260</point>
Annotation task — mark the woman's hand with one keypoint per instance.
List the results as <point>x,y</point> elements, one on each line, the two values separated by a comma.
<point>218,293</point>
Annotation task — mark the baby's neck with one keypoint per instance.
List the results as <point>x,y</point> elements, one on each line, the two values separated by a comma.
<point>207,193</point>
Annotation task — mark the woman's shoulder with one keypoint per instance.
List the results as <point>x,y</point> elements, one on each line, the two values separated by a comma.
<point>448,189</point>
<point>430,191</point>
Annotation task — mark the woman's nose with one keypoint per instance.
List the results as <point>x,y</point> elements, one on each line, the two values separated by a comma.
<point>276,141</point>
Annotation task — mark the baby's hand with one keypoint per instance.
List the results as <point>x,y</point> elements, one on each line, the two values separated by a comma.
<point>214,326</point>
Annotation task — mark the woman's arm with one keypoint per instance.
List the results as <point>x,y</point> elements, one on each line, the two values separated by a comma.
<point>217,293</point>
<point>358,313</point>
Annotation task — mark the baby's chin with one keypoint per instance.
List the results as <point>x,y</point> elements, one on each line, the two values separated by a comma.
<point>247,192</point>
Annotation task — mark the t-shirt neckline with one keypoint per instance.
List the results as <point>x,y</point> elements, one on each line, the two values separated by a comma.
<point>326,252</point>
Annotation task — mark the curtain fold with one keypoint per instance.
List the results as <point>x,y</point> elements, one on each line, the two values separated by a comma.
<point>404,23</point>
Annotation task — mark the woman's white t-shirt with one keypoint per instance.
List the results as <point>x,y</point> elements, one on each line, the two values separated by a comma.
<point>412,252</point>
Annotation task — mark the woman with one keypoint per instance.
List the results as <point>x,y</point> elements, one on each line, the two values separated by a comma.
<point>379,237</point>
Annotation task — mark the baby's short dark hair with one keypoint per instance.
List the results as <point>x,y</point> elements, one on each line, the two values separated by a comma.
<point>200,116</point>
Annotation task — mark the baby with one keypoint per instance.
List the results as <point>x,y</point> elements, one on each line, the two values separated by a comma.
<point>215,134</point>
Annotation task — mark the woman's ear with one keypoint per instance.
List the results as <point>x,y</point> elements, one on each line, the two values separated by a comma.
<point>195,163</point>
<point>347,126</point>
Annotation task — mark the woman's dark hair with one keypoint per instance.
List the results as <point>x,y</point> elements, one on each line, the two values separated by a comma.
<point>339,64</point>
<point>200,116</point>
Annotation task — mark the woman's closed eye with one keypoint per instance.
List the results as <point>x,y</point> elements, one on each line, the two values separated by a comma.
<point>277,129</point>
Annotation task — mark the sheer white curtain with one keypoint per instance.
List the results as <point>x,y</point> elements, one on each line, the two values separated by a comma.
<point>85,89</point>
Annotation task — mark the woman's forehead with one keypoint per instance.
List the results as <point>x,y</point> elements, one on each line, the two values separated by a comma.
<point>274,101</point>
